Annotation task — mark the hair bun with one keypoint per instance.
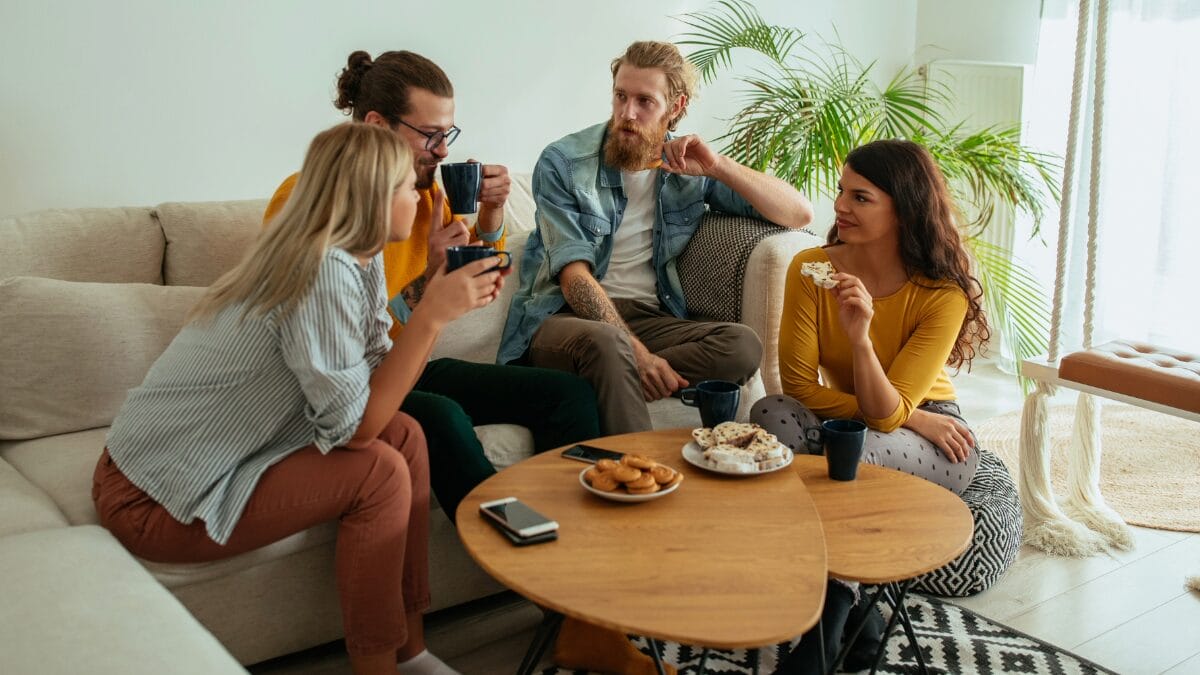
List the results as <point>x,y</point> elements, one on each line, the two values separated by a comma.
<point>350,80</point>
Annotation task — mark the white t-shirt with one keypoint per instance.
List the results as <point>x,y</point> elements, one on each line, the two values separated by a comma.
<point>630,270</point>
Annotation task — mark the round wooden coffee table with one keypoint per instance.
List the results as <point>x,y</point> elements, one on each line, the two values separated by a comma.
<point>885,528</point>
<point>723,561</point>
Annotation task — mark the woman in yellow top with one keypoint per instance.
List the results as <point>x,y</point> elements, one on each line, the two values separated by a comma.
<point>875,347</point>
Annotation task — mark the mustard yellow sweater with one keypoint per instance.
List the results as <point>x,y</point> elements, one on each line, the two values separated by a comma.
<point>403,261</point>
<point>913,331</point>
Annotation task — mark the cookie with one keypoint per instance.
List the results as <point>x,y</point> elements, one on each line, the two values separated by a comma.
<point>644,491</point>
<point>625,474</point>
<point>638,461</point>
<point>676,480</point>
<point>607,465</point>
<point>603,482</point>
<point>643,481</point>
<point>662,474</point>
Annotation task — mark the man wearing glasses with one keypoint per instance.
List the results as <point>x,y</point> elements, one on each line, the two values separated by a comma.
<point>412,96</point>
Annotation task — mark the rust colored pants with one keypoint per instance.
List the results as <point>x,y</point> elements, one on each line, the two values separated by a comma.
<point>379,495</point>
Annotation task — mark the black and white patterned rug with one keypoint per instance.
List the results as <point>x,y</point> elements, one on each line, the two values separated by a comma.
<point>953,640</point>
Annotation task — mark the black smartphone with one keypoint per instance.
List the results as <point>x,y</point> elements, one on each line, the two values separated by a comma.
<point>517,540</point>
<point>591,455</point>
<point>517,517</point>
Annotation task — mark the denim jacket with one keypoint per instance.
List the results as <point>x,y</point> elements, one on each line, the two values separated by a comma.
<point>580,202</point>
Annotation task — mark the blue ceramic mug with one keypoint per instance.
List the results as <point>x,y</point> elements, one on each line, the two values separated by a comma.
<point>462,182</point>
<point>716,399</point>
<point>457,256</point>
<point>843,440</point>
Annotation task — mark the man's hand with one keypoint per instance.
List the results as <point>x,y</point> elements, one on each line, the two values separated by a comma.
<point>659,379</point>
<point>496,184</point>
<point>690,156</point>
<point>493,193</point>
<point>455,233</point>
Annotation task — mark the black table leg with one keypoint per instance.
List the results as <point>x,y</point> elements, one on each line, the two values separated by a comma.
<point>821,665</point>
<point>908,629</point>
<point>886,631</point>
<point>754,654</point>
<point>703,660</point>
<point>658,664</point>
<point>551,622</point>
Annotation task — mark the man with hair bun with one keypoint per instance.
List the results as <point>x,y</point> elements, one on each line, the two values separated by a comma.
<point>411,96</point>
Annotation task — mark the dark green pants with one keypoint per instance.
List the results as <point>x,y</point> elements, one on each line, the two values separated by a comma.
<point>453,396</point>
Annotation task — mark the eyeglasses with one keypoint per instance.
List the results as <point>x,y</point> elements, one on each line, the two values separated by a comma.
<point>435,138</point>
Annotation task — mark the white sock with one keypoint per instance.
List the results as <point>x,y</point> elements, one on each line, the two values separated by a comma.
<point>426,663</point>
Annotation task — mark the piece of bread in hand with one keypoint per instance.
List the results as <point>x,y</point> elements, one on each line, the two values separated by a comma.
<point>820,272</point>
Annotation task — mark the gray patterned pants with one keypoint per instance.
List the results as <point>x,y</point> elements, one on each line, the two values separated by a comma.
<point>799,428</point>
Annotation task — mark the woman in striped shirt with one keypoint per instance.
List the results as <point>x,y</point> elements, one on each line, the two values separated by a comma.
<point>274,409</point>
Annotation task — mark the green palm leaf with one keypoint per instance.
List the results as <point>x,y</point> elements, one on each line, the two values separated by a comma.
<point>804,112</point>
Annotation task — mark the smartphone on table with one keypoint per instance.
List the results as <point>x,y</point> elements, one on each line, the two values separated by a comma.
<point>591,454</point>
<point>515,517</point>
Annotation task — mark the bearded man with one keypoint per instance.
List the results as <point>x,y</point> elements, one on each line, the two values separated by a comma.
<point>616,203</point>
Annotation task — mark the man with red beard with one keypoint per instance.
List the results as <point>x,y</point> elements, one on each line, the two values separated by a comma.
<point>616,203</point>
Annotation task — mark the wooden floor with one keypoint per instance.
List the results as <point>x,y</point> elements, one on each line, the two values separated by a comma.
<point>1128,611</point>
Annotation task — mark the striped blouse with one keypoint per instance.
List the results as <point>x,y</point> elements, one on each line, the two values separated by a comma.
<point>231,396</point>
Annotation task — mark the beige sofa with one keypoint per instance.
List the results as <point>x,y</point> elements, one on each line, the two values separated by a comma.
<point>88,300</point>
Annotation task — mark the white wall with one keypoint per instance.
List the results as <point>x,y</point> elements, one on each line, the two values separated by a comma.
<point>136,102</point>
<point>992,31</point>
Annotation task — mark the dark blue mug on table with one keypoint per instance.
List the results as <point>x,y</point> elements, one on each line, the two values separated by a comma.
<point>716,399</point>
<point>843,440</point>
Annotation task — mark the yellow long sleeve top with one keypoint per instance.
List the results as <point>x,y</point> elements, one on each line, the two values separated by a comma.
<point>912,332</point>
<point>403,261</point>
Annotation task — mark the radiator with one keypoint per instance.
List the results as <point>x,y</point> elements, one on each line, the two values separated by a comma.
<point>982,95</point>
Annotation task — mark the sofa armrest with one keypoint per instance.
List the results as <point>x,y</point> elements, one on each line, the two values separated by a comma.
<point>762,294</point>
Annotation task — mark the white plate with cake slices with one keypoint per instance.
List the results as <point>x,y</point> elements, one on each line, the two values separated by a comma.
<point>693,454</point>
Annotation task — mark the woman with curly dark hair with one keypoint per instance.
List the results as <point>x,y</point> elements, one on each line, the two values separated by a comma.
<point>903,305</point>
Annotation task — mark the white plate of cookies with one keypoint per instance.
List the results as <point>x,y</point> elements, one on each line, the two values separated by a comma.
<point>634,479</point>
<point>736,449</point>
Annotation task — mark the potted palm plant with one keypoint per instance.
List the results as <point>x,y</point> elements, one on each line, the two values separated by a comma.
<point>807,108</point>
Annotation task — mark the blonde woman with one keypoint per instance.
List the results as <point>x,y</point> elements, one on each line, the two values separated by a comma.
<point>274,409</point>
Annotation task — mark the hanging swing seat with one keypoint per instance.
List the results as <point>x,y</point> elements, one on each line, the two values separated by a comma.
<point>1155,378</point>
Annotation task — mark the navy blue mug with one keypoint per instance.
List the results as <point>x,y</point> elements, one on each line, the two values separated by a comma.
<point>716,399</point>
<point>457,256</point>
<point>843,441</point>
<point>462,182</point>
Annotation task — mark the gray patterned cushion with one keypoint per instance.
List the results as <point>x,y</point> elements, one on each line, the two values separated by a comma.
<point>712,266</point>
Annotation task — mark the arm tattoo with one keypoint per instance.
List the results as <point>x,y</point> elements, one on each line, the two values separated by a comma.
<point>414,291</point>
<point>588,301</point>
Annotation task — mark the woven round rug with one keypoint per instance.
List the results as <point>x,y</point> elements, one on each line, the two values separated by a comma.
<point>1149,466</point>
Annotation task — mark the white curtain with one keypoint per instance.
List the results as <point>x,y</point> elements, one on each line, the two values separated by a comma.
<point>1148,262</point>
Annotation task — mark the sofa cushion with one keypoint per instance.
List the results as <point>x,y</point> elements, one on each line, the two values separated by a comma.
<point>206,239</point>
<point>718,252</point>
<point>75,601</point>
<point>70,350</point>
<point>111,245</point>
<point>61,467</point>
<point>23,507</point>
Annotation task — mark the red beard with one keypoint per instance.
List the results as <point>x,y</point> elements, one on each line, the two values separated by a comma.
<point>633,153</point>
